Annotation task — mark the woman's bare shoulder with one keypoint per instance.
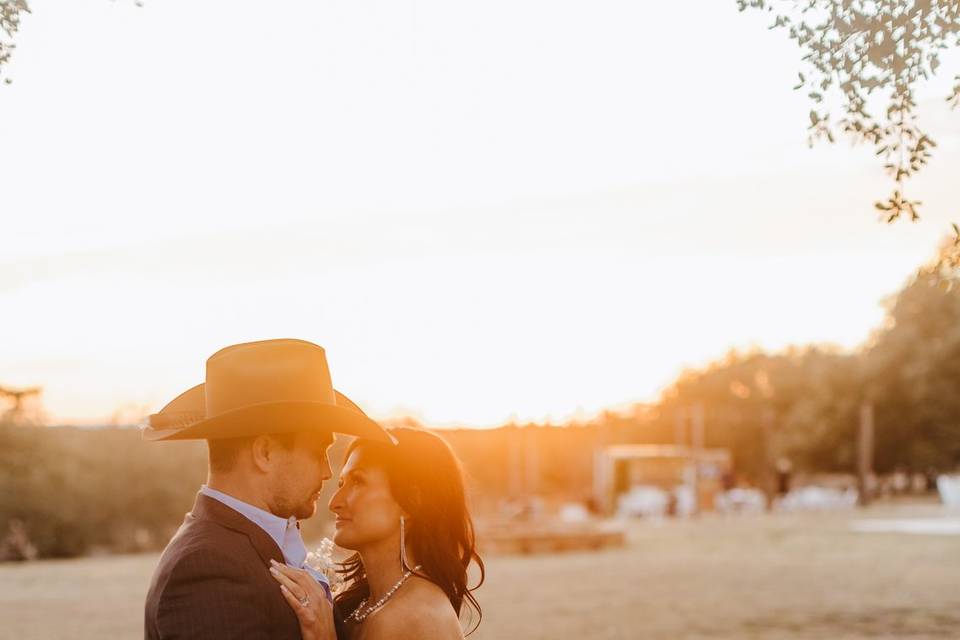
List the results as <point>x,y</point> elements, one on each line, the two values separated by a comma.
<point>421,610</point>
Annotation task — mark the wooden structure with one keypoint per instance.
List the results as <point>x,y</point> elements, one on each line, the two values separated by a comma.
<point>619,468</point>
<point>550,537</point>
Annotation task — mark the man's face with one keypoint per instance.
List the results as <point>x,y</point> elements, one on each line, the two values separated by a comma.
<point>298,473</point>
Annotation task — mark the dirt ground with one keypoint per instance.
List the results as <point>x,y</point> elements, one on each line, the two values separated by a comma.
<point>779,576</point>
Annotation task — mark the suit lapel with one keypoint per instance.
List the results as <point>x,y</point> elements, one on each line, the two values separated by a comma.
<point>207,508</point>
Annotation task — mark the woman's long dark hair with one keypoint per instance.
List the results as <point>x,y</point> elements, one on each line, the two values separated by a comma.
<point>427,482</point>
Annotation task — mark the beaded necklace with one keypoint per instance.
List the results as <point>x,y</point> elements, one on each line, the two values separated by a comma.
<point>362,611</point>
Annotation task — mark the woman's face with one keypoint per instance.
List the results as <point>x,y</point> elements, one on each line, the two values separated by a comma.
<point>364,505</point>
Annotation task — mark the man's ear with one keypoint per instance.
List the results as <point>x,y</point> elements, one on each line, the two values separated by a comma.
<point>263,450</point>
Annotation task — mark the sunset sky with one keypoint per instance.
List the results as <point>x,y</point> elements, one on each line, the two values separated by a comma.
<point>484,211</point>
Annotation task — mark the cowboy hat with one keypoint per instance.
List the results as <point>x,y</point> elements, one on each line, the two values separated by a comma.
<point>257,388</point>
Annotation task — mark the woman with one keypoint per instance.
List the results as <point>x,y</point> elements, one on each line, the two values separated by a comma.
<point>402,508</point>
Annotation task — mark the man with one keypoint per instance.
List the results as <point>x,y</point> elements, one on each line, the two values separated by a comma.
<point>268,411</point>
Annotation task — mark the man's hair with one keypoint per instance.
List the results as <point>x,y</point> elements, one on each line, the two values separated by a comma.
<point>223,453</point>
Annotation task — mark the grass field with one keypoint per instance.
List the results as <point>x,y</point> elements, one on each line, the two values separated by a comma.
<point>780,576</point>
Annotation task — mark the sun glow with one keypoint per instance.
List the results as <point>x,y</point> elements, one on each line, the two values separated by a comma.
<point>476,234</point>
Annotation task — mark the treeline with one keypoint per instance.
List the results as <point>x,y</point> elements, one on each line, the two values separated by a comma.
<point>79,491</point>
<point>73,491</point>
<point>76,491</point>
<point>70,491</point>
<point>805,404</point>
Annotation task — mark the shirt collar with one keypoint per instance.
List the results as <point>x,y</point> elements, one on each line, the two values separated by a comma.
<point>285,532</point>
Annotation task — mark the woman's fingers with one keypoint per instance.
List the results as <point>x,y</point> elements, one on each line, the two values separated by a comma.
<point>299,576</point>
<point>299,582</point>
<point>285,581</point>
<point>314,611</point>
<point>291,599</point>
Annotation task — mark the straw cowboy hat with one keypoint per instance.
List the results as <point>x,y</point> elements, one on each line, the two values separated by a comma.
<point>256,388</point>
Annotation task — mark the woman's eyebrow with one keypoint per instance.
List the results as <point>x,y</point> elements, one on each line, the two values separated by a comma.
<point>352,472</point>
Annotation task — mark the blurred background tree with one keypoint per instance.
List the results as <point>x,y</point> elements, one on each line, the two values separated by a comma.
<point>799,404</point>
<point>804,403</point>
<point>79,490</point>
<point>18,411</point>
<point>912,369</point>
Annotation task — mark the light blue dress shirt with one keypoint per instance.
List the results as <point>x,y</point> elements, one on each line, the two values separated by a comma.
<point>285,532</point>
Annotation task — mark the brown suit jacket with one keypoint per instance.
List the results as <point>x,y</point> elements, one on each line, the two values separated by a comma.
<point>213,581</point>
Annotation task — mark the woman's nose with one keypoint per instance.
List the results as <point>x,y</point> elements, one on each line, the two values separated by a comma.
<point>336,501</point>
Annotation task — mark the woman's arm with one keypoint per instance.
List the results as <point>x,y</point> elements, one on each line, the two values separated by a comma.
<point>309,601</point>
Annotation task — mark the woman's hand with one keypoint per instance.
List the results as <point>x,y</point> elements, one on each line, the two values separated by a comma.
<point>308,600</point>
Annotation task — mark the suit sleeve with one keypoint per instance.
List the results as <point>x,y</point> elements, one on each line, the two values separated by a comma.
<point>209,596</point>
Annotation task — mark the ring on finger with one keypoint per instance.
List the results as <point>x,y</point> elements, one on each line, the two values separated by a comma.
<point>304,601</point>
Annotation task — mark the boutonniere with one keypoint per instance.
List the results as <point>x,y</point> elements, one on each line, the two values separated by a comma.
<point>322,561</point>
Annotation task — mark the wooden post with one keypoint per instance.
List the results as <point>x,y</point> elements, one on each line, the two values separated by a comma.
<point>865,453</point>
<point>515,463</point>
<point>697,428</point>
<point>602,481</point>
<point>680,427</point>
<point>531,463</point>
<point>768,474</point>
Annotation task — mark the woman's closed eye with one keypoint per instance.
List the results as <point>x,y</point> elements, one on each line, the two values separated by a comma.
<point>353,479</point>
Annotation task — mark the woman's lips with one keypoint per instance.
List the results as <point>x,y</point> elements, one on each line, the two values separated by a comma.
<point>340,521</point>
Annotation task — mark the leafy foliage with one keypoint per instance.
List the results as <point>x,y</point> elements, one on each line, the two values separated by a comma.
<point>810,396</point>
<point>10,11</point>
<point>79,491</point>
<point>801,404</point>
<point>912,372</point>
<point>947,265</point>
<point>859,47</point>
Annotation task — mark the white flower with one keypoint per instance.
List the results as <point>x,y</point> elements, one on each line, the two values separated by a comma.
<point>322,560</point>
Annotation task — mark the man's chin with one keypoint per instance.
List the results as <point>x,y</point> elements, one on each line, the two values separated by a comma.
<point>306,511</point>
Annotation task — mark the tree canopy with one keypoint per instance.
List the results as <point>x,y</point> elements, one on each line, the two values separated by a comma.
<point>808,397</point>
<point>10,11</point>
<point>857,48</point>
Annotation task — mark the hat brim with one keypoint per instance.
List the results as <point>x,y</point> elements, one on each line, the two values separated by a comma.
<point>270,417</point>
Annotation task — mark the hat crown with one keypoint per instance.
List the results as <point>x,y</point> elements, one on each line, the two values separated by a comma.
<point>251,373</point>
<point>258,388</point>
